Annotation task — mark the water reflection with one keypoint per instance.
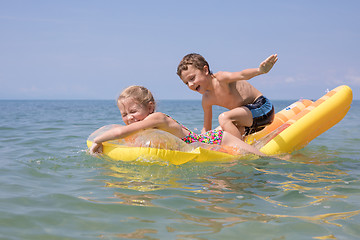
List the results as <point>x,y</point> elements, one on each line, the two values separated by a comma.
<point>325,218</point>
<point>138,234</point>
<point>138,199</point>
<point>207,198</point>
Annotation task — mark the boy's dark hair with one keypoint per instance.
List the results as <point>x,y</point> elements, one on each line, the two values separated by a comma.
<point>194,59</point>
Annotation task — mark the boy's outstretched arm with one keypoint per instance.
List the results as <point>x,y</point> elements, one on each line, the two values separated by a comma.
<point>247,74</point>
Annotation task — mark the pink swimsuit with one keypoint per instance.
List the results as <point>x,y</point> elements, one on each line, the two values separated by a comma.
<point>210,137</point>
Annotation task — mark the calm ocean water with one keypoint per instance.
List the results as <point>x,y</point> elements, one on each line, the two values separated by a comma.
<point>52,189</point>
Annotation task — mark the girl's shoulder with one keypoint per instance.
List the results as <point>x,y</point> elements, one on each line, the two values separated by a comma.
<point>157,115</point>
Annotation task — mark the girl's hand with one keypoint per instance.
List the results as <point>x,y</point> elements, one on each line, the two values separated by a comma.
<point>96,148</point>
<point>266,65</point>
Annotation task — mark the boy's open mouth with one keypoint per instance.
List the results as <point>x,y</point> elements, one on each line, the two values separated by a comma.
<point>197,88</point>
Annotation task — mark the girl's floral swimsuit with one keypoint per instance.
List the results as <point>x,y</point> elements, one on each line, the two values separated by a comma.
<point>210,137</point>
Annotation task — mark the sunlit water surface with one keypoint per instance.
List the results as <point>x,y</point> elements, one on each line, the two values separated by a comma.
<point>52,189</point>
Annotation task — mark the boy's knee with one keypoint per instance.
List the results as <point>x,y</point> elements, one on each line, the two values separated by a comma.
<point>223,119</point>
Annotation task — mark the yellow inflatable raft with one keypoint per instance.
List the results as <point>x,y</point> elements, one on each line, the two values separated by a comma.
<point>155,145</point>
<point>293,128</point>
<point>295,131</point>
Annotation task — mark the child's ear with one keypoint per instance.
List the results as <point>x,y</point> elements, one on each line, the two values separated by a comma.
<point>206,70</point>
<point>151,107</point>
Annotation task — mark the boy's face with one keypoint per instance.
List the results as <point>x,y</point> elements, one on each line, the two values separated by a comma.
<point>132,111</point>
<point>196,79</point>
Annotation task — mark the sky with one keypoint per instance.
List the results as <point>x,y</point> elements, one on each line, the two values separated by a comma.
<point>92,49</point>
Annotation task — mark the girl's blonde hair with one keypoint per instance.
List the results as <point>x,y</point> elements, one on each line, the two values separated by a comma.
<point>139,93</point>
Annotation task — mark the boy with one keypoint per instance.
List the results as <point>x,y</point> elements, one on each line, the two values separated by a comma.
<point>249,111</point>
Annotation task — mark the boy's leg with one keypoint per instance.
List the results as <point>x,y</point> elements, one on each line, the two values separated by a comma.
<point>235,121</point>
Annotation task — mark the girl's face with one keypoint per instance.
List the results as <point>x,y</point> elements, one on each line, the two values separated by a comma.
<point>132,111</point>
<point>196,79</point>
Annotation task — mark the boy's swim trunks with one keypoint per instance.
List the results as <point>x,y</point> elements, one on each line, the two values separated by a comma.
<point>263,114</point>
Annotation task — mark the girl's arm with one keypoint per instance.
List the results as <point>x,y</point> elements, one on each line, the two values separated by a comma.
<point>155,120</point>
<point>247,74</point>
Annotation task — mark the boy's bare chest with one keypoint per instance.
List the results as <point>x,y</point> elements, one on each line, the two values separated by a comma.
<point>227,97</point>
<point>232,95</point>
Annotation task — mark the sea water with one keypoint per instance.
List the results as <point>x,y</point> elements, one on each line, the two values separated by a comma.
<point>52,189</point>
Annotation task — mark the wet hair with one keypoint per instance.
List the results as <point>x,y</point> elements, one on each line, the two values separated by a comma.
<point>139,93</point>
<point>194,59</point>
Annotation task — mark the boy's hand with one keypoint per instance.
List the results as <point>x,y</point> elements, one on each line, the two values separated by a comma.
<point>266,65</point>
<point>96,148</point>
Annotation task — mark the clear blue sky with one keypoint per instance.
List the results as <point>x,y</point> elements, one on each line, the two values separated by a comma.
<point>87,49</point>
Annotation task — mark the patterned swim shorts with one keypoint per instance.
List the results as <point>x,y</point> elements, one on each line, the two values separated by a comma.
<point>210,137</point>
